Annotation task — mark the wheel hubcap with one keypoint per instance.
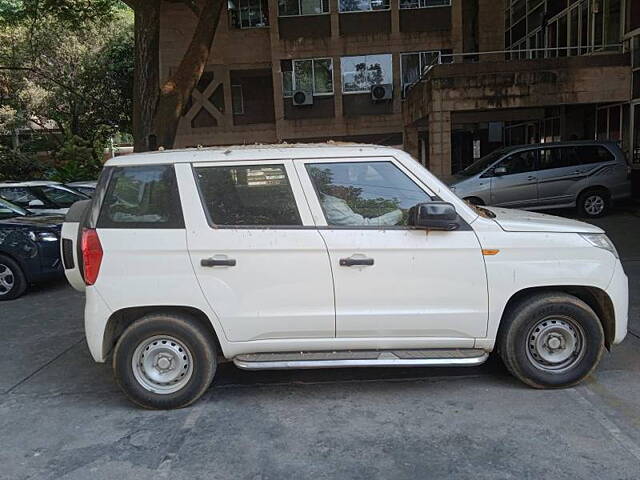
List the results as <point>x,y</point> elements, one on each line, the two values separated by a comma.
<point>7,280</point>
<point>555,344</point>
<point>594,204</point>
<point>162,364</point>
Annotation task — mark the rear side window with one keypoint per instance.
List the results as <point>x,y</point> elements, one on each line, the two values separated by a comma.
<point>593,154</point>
<point>142,197</point>
<point>254,195</point>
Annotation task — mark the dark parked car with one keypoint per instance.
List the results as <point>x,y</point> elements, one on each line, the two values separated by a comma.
<point>29,249</point>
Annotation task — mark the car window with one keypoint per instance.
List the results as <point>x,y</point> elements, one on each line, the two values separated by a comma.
<point>18,195</point>
<point>558,157</point>
<point>252,195</point>
<point>61,197</point>
<point>365,193</point>
<point>520,162</point>
<point>593,154</point>
<point>142,197</point>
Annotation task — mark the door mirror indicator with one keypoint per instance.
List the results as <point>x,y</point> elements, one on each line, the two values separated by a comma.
<point>499,171</point>
<point>434,216</point>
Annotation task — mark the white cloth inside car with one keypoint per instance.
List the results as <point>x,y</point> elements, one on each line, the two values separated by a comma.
<point>339,213</point>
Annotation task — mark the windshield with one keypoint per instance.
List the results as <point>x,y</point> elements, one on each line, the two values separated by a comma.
<point>9,210</point>
<point>481,165</point>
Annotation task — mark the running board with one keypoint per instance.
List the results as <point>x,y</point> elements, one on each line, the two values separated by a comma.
<point>362,358</point>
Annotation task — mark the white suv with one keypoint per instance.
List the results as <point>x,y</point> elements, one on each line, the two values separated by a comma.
<point>327,256</point>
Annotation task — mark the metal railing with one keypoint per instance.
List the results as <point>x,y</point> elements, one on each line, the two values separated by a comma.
<point>529,54</point>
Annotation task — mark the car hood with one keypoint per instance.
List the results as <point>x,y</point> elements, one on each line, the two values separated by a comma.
<point>46,221</point>
<point>522,221</point>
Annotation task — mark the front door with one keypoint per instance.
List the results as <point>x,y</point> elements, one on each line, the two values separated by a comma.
<point>392,280</point>
<point>259,259</point>
<point>517,186</point>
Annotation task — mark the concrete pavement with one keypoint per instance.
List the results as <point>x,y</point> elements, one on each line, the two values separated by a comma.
<point>62,417</point>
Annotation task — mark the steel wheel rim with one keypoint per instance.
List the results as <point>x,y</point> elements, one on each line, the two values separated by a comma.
<point>162,364</point>
<point>594,204</point>
<point>555,344</point>
<point>7,279</point>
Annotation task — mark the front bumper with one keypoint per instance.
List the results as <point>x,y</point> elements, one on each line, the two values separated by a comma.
<point>618,291</point>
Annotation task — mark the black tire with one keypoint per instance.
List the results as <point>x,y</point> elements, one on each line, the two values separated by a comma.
<point>517,339</point>
<point>189,333</point>
<point>586,206</point>
<point>15,276</point>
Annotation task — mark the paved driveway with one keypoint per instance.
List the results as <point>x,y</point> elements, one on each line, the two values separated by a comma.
<point>61,415</point>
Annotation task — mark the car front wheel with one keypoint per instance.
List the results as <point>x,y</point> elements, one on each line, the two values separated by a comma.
<point>164,361</point>
<point>12,280</point>
<point>551,340</point>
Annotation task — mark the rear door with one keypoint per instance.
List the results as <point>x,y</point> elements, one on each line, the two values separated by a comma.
<point>518,187</point>
<point>561,175</point>
<point>258,257</point>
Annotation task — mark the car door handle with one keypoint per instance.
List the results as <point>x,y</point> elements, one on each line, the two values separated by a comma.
<point>531,177</point>
<point>355,261</point>
<point>218,262</point>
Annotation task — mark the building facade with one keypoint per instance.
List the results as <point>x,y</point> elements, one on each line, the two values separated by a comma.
<point>430,75</point>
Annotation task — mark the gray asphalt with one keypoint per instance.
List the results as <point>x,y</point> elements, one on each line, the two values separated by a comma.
<point>62,417</point>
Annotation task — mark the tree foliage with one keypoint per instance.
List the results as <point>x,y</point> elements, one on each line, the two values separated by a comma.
<point>71,82</point>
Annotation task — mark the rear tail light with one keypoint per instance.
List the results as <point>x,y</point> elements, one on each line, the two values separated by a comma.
<point>91,255</point>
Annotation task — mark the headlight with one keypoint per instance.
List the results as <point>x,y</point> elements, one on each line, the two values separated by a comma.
<point>600,240</point>
<point>43,236</point>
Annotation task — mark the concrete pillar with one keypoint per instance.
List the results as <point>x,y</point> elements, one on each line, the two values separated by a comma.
<point>410,141</point>
<point>439,126</point>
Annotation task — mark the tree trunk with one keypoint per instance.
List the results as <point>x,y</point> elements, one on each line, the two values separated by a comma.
<point>175,92</point>
<point>146,80</point>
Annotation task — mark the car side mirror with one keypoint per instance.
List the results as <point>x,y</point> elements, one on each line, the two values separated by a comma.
<point>499,171</point>
<point>36,203</point>
<point>434,216</point>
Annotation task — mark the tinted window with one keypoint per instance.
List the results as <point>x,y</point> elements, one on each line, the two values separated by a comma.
<point>142,197</point>
<point>593,154</point>
<point>248,195</point>
<point>520,162</point>
<point>360,194</point>
<point>560,157</point>
<point>18,195</point>
<point>61,197</point>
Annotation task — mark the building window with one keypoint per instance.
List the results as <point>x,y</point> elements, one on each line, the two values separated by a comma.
<point>249,13</point>
<point>363,5</point>
<point>314,75</point>
<point>360,73</point>
<point>413,65</point>
<point>293,8</point>
<point>237,99</point>
<point>424,3</point>
<point>635,88</point>
<point>581,28</point>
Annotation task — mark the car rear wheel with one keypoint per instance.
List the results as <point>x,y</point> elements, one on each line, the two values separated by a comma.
<point>164,361</point>
<point>551,340</point>
<point>593,203</point>
<point>12,280</point>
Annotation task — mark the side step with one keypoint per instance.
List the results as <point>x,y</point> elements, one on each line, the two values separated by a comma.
<point>362,358</point>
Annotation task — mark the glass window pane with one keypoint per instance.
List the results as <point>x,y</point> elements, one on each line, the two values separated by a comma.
<point>288,7</point>
<point>409,3</point>
<point>310,7</point>
<point>287,84</point>
<point>365,193</point>
<point>323,75</point>
<point>248,195</point>
<point>303,75</point>
<point>19,195</point>
<point>410,68</point>
<point>519,162</point>
<point>379,69</point>
<point>61,197</point>
<point>237,100</point>
<point>142,197</point>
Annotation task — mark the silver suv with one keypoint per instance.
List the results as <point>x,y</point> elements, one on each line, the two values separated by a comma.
<point>586,175</point>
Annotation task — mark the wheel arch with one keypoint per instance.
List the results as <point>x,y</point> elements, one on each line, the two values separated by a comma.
<point>595,297</point>
<point>121,319</point>
<point>596,187</point>
<point>26,271</point>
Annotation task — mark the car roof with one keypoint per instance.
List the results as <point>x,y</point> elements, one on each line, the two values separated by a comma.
<point>568,143</point>
<point>254,152</point>
<point>85,183</point>
<point>30,183</point>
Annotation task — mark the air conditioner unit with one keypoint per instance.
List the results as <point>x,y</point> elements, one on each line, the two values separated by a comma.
<point>382,92</point>
<point>301,98</point>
